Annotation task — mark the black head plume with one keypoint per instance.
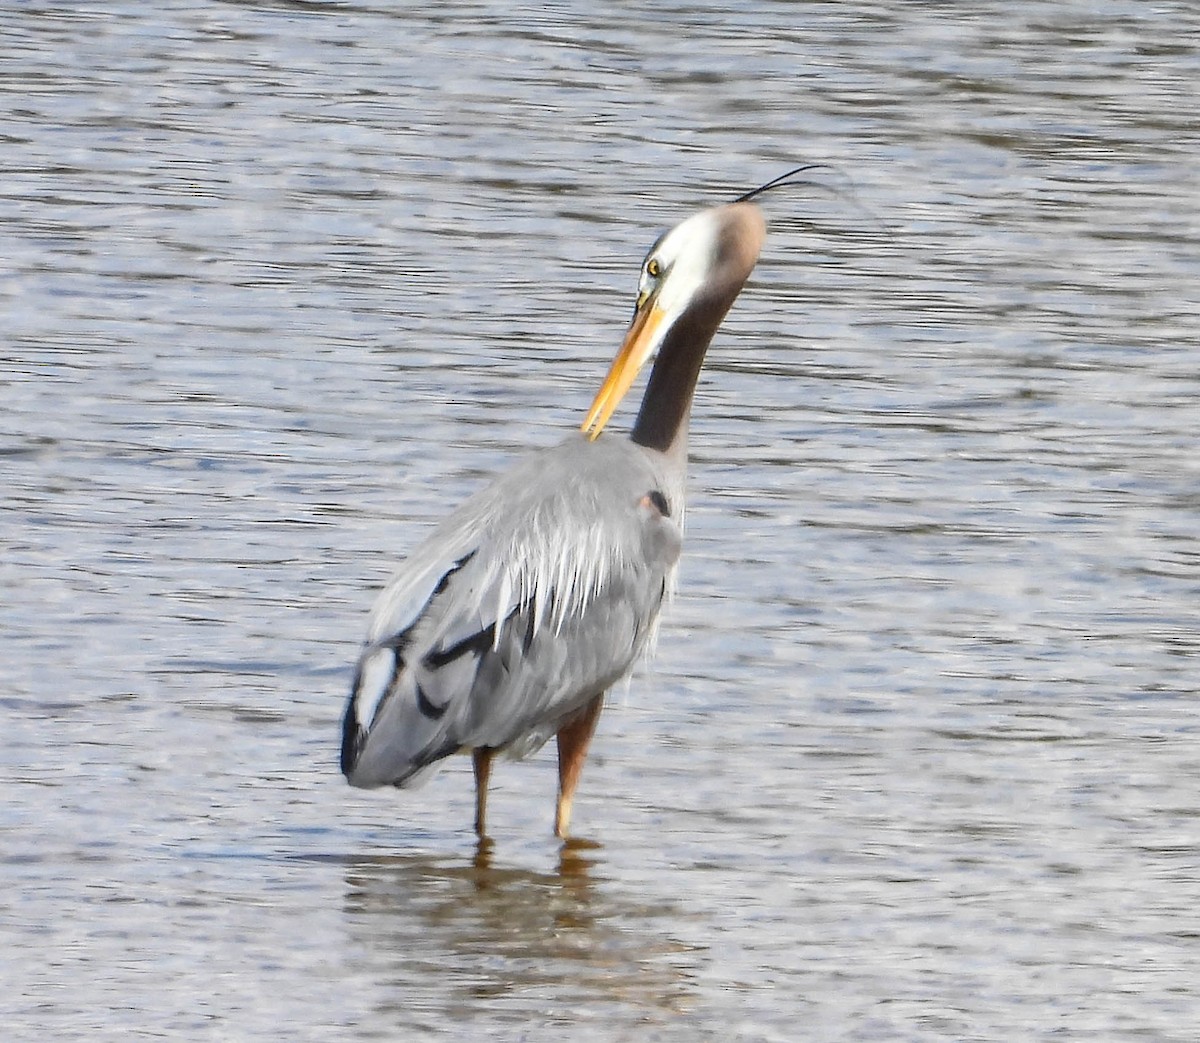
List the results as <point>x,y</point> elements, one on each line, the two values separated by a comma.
<point>790,178</point>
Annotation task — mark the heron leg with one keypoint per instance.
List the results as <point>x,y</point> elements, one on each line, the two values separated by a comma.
<point>481,760</point>
<point>573,740</point>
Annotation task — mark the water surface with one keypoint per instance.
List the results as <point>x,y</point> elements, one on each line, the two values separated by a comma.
<point>917,758</point>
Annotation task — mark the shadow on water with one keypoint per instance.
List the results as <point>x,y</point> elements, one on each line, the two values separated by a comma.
<point>454,939</point>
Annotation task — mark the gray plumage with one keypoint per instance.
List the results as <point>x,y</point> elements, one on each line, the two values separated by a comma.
<point>499,628</point>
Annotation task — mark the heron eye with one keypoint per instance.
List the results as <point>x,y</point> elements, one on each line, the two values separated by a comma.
<point>653,268</point>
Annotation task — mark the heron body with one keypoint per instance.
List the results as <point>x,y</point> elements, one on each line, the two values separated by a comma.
<point>508,624</point>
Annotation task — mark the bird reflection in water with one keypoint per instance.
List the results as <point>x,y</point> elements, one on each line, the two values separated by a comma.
<point>573,857</point>
<point>443,934</point>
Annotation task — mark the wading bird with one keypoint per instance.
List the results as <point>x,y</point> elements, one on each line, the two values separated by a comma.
<point>524,606</point>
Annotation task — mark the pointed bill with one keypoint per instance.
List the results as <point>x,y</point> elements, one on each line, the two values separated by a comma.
<point>640,343</point>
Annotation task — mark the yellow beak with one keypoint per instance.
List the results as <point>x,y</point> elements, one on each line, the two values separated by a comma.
<point>639,345</point>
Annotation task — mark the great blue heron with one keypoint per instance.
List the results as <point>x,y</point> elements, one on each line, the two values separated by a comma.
<point>509,623</point>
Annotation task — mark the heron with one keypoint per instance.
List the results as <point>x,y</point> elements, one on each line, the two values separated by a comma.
<point>524,606</point>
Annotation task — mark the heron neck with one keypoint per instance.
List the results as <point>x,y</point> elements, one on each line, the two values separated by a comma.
<point>662,421</point>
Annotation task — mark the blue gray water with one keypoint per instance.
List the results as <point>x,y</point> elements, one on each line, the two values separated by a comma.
<point>919,756</point>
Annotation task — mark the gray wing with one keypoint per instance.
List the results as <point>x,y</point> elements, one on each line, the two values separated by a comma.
<point>537,594</point>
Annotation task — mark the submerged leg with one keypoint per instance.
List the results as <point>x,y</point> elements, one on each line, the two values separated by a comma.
<point>481,760</point>
<point>573,740</point>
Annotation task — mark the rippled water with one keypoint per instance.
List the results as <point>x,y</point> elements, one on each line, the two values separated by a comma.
<point>918,756</point>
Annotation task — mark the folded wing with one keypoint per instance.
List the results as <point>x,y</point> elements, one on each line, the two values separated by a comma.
<point>534,596</point>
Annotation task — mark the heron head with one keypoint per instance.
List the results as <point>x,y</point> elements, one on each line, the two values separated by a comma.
<point>699,265</point>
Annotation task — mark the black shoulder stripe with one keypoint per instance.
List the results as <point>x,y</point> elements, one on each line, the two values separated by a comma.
<point>479,642</point>
<point>445,580</point>
<point>398,643</point>
<point>660,502</point>
<point>427,707</point>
